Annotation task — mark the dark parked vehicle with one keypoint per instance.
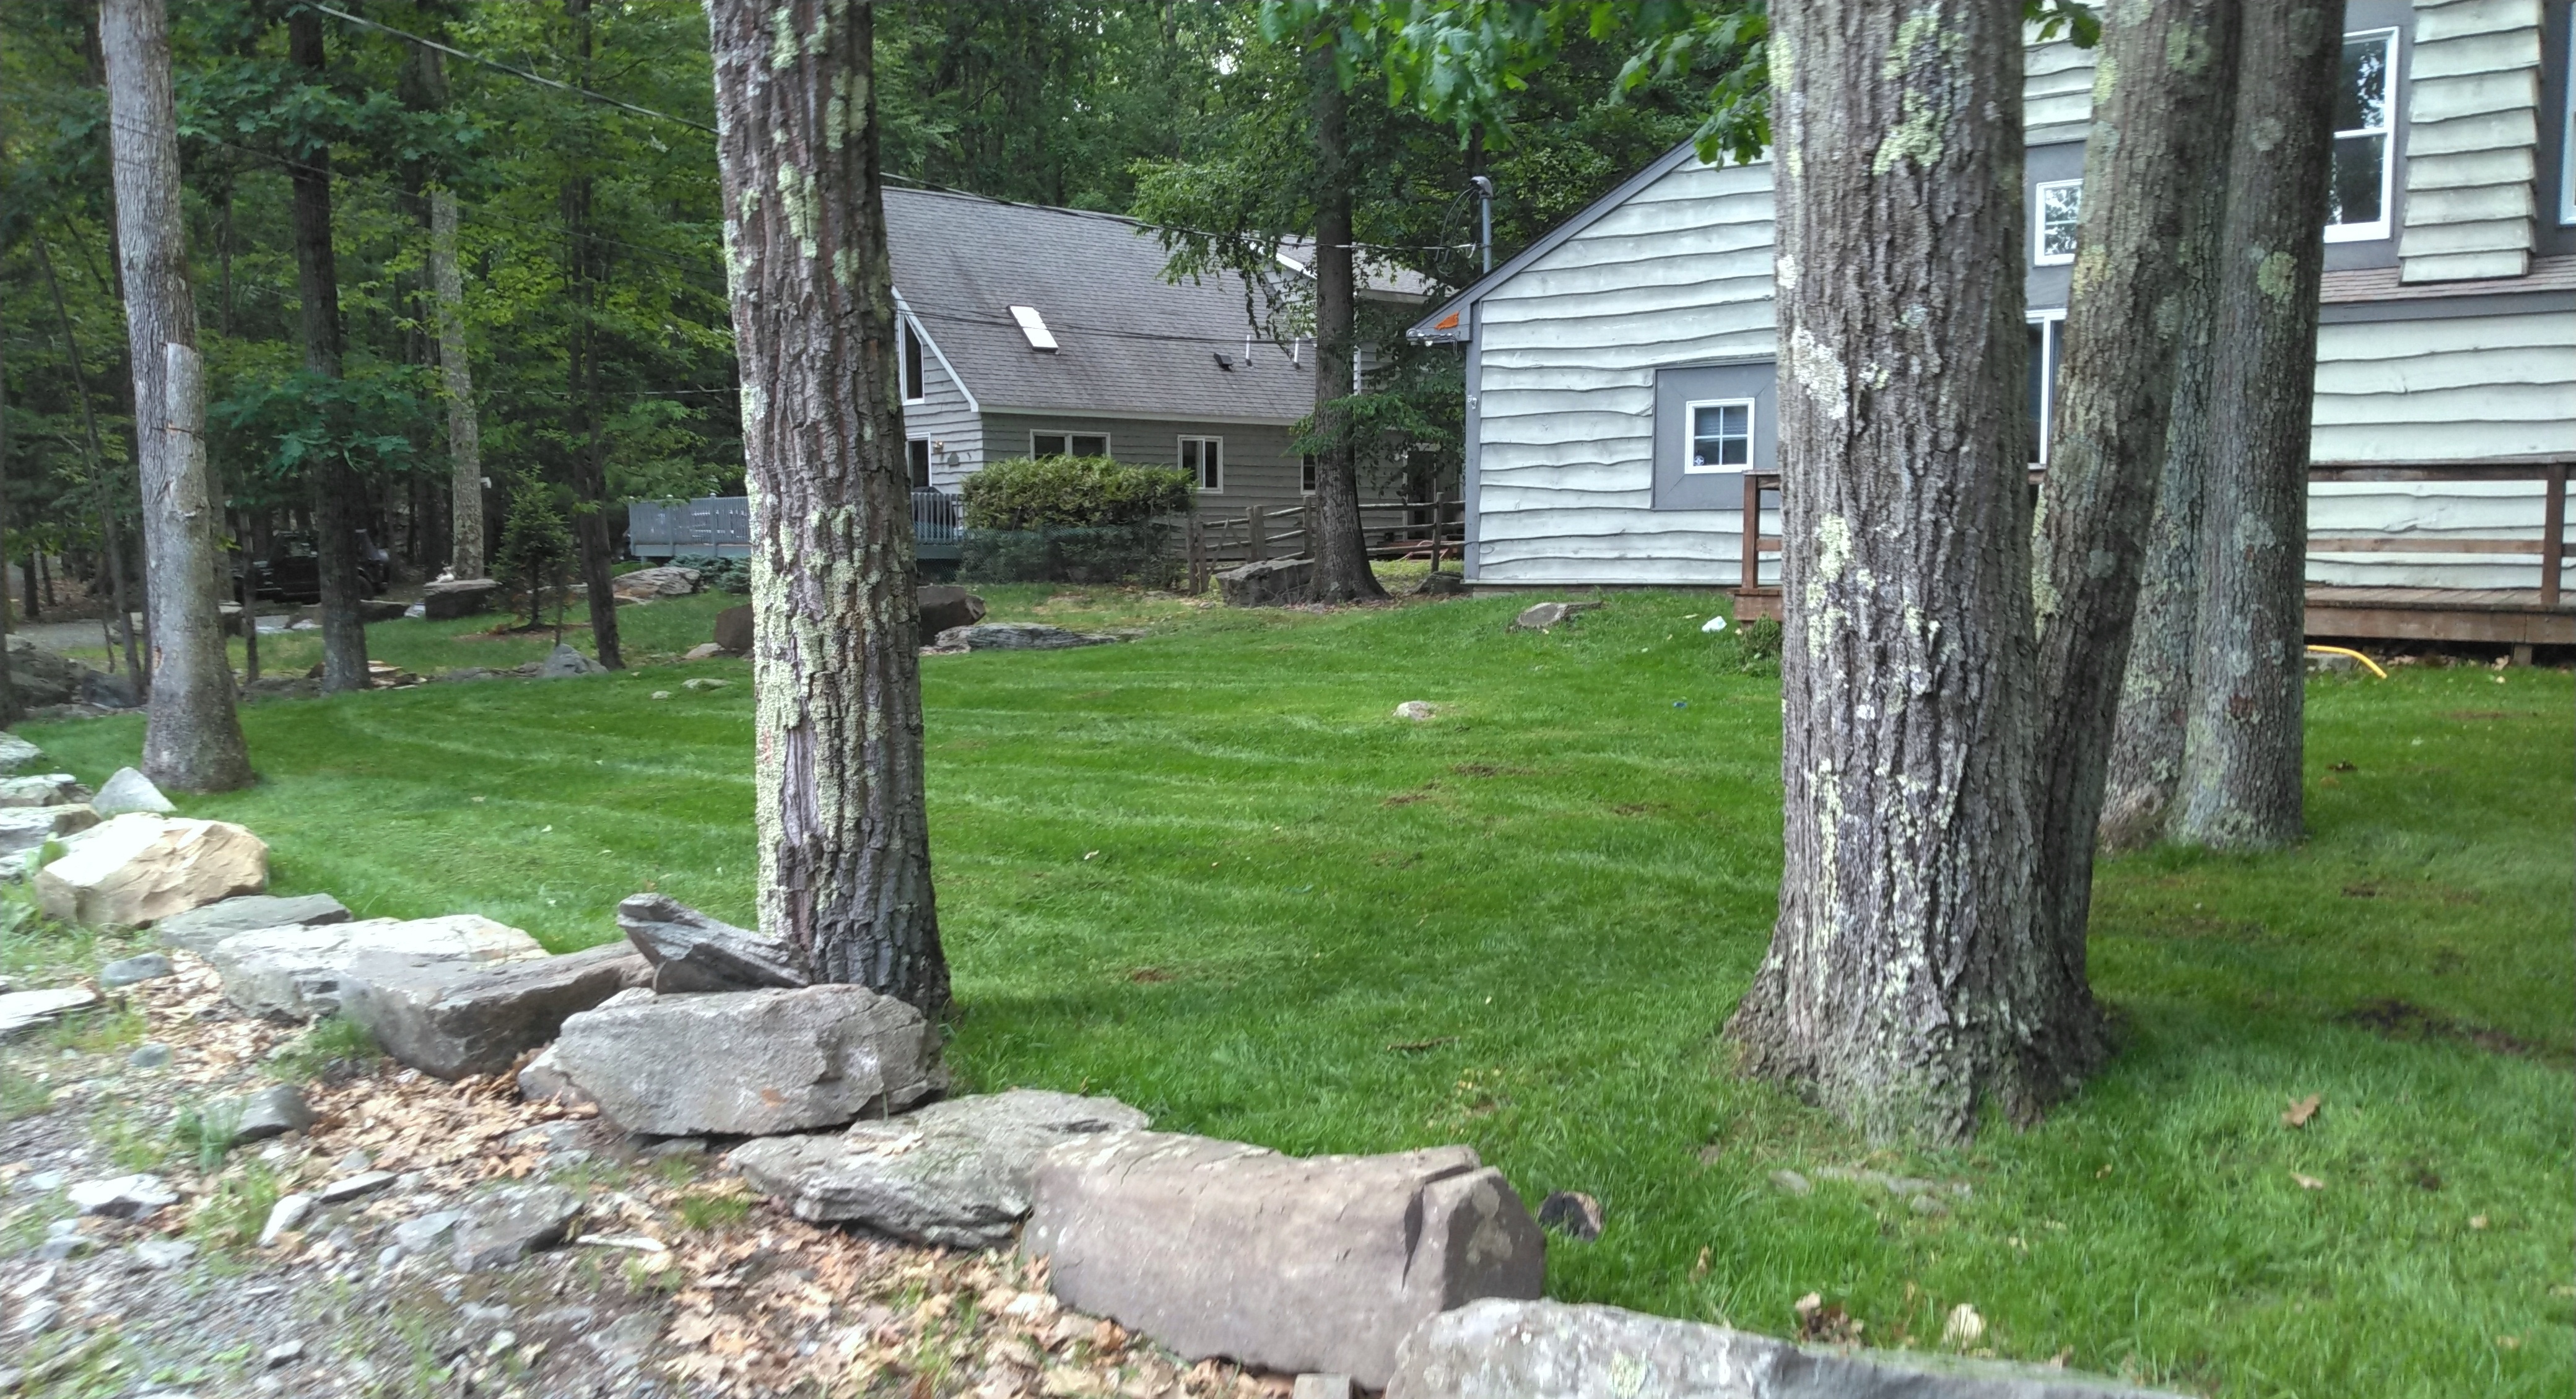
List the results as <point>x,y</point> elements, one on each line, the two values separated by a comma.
<point>292,572</point>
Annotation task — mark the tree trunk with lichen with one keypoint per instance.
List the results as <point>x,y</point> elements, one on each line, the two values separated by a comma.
<point>2243,742</point>
<point>456,376</point>
<point>1340,547</point>
<point>844,841</point>
<point>192,738</point>
<point>2162,96</point>
<point>1908,985</point>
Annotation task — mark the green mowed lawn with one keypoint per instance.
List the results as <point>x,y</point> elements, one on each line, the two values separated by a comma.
<point>1208,872</point>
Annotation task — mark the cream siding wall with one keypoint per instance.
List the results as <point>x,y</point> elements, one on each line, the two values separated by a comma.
<point>2056,92</point>
<point>1680,273</point>
<point>2472,152</point>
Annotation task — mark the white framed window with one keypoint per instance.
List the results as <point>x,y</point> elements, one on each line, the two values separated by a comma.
<point>1204,459</point>
<point>2362,184</point>
<point>2054,212</point>
<point>916,455</point>
<point>2047,352</point>
<point>1717,435</point>
<point>1068,444</point>
<point>915,383</point>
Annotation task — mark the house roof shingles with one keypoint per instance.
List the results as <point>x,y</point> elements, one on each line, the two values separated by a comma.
<point>1132,344</point>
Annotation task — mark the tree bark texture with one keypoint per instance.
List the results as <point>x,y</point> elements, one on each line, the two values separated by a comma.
<point>1340,549</point>
<point>1907,985</point>
<point>2243,743</point>
<point>337,498</point>
<point>844,840</point>
<point>584,258</point>
<point>456,373</point>
<point>192,738</point>
<point>2163,91</point>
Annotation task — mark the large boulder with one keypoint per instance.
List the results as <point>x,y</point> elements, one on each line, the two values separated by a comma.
<point>458,597</point>
<point>448,1019</point>
<point>1268,583</point>
<point>750,1063</point>
<point>646,583</point>
<point>692,952</point>
<point>1511,1349</point>
<point>1015,636</point>
<point>42,789</point>
<point>1298,1265</point>
<point>954,1173</point>
<point>140,867</point>
<point>297,973</point>
<point>24,828</point>
<point>733,630</point>
<point>944,606</point>
<point>199,929</point>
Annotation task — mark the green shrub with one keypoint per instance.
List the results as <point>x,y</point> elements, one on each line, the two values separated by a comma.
<point>718,575</point>
<point>1072,492</point>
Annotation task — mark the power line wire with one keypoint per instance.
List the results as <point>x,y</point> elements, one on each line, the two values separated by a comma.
<point>515,72</point>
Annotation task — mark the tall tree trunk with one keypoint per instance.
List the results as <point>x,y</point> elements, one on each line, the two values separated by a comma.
<point>337,498</point>
<point>110,537</point>
<point>192,738</point>
<point>2241,765</point>
<point>8,668</point>
<point>1340,549</point>
<point>2161,101</point>
<point>584,254</point>
<point>844,841</point>
<point>464,426</point>
<point>1908,984</point>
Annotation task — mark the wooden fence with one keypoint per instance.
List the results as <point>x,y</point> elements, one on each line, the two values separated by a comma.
<point>1215,542</point>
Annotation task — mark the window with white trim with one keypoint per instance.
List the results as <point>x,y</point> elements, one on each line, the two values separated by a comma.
<point>1204,459</point>
<point>1306,473</point>
<point>1718,435</point>
<point>1068,444</point>
<point>914,384</point>
<point>2365,152</point>
<point>2047,352</point>
<point>917,455</point>
<point>2053,218</point>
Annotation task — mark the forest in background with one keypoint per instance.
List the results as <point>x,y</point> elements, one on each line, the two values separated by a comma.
<point>588,239</point>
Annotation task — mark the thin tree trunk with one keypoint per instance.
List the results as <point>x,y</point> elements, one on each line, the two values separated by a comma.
<point>247,589</point>
<point>464,426</point>
<point>1908,985</point>
<point>1340,550</point>
<point>589,449</point>
<point>844,841</point>
<point>335,486</point>
<point>8,667</point>
<point>2161,102</point>
<point>2241,765</point>
<point>192,738</point>
<point>110,537</point>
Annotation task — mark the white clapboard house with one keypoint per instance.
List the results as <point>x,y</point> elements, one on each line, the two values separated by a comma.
<point>1619,372</point>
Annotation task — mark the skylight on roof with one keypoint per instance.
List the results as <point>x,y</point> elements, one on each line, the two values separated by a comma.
<point>1034,326</point>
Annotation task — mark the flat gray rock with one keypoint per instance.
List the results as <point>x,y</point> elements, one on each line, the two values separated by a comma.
<point>164,1254</point>
<point>199,929</point>
<point>47,789</point>
<point>24,828</point>
<point>129,790</point>
<point>419,1233</point>
<point>295,973</point>
<point>122,1197</point>
<point>1015,636</point>
<point>692,952</point>
<point>1497,1349</point>
<point>564,661</point>
<point>509,1224</point>
<point>25,1010</point>
<point>1545,615</point>
<point>449,1020</point>
<point>17,754</point>
<point>750,1063</point>
<point>1268,583</point>
<point>1298,1265</point>
<point>953,1173</point>
<point>130,971</point>
<point>270,1112</point>
<point>288,1213</point>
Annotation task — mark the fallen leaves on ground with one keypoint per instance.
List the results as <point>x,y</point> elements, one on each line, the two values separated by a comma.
<point>2302,1111</point>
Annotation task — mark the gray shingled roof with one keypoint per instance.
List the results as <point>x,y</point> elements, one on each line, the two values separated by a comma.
<point>1131,343</point>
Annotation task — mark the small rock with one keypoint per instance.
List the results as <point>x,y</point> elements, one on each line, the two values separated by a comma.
<point>25,1010</point>
<point>357,1160</point>
<point>283,1353</point>
<point>544,1081</point>
<point>351,1187</point>
<point>667,580</point>
<point>1416,710</point>
<point>124,1197</point>
<point>1542,616</point>
<point>287,1214</point>
<point>149,1056</point>
<point>1792,1182</point>
<point>151,966</point>
<point>35,1317</point>
<point>661,694</point>
<point>512,1223</point>
<point>626,1341</point>
<point>17,754</point>
<point>422,1232</point>
<point>703,683</point>
<point>129,790</point>
<point>1016,636</point>
<point>25,829</point>
<point>673,1146</point>
<point>564,661</point>
<point>164,1254</point>
<point>1572,1214</point>
<point>51,789</point>
<point>1267,583</point>
<point>703,651</point>
<point>553,1136</point>
<point>56,1249</point>
<point>1315,1386</point>
<point>271,1112</point>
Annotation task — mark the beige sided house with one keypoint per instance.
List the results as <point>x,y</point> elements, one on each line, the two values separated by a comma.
<point>1619,372</point>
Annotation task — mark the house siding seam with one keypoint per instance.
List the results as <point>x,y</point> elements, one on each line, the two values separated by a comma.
<point>2473,112</point>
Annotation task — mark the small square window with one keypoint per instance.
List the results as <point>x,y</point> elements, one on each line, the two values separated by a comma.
<point>1721,436</point>
<point>2058,208</point>
<point>917,455</point>
<point>1204,459</point>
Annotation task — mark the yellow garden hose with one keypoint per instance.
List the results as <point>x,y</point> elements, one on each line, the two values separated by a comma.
<point>2356,655</point>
